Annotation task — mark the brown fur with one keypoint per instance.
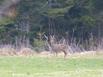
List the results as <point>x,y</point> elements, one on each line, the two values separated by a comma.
<point>57,48</point>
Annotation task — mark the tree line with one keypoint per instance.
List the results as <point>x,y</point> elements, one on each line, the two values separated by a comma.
<point>79,20</point>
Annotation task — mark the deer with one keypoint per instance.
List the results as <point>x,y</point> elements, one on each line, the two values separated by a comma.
<point>57,47</point>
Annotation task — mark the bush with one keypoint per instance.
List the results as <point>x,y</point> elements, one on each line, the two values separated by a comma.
<point>39,45</point>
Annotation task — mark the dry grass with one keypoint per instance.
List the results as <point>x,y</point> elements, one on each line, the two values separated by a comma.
<point>9,51</point>
<point>26,52</point>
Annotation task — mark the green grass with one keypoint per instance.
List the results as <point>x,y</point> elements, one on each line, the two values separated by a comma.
<point>51,67</point>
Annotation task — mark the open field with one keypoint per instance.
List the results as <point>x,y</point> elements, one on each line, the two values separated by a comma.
<point>36,66</point>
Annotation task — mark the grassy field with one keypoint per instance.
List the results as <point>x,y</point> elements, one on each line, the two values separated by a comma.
<point>51,67</point>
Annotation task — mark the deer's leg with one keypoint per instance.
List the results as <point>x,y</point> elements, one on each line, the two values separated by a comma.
<point>65,53</point>
<point>56,53</point>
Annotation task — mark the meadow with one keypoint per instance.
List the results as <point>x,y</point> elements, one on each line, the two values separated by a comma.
<point>36,66</point>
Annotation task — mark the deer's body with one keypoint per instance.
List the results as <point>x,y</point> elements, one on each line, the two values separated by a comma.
<point>57,48</point>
